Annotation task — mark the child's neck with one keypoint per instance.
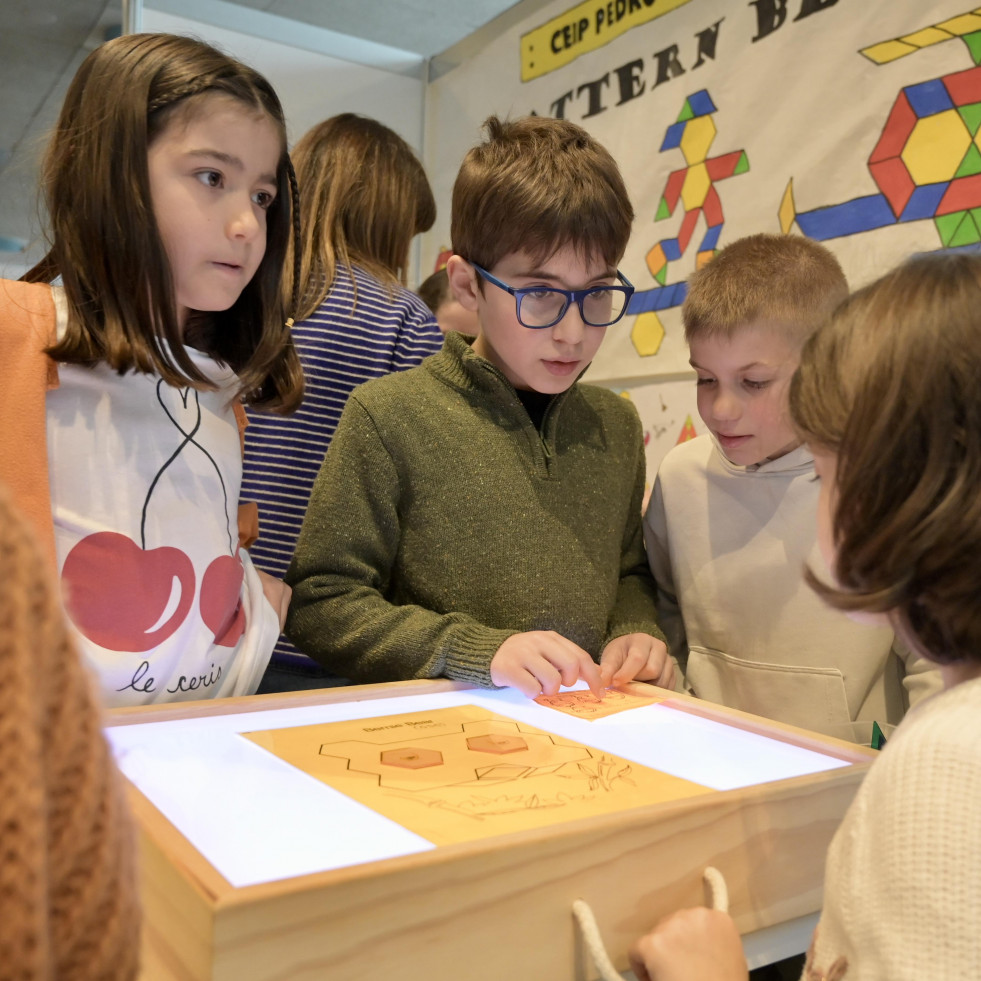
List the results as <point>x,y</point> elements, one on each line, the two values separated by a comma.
<point>959,671</point>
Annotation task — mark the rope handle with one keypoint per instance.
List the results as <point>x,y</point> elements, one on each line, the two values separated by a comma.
<point>718,899</point>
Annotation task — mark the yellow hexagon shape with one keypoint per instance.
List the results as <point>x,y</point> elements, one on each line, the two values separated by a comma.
<point>936,147</point>
<point>696,187</point>
<point>697,138</point>
<point>646,334</point>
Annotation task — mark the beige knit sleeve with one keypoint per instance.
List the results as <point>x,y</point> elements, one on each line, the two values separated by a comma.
<point>68,901</point>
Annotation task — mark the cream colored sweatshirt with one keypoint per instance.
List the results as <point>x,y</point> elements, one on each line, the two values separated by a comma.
<point>728,546</point>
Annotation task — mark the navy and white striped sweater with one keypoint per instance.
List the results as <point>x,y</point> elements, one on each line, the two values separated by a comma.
<point>344,343</point>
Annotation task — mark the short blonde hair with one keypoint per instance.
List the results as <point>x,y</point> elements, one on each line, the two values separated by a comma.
<point>787,281</point>
<point>890,384</point>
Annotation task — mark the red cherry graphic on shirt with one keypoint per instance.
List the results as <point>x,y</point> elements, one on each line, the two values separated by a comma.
<point>116,592</point>
<point>221,599</point>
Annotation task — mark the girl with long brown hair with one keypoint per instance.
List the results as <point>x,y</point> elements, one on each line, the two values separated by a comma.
<point>128,349</point>
<point>364,196</point>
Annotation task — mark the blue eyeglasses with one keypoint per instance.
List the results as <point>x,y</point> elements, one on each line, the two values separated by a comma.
<point>539,307</point>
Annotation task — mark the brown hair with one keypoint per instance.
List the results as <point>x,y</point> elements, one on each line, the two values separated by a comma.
<point>435,290</point>
<point>536,185</point>
<point>890,384</point>
<point>363,197</point>
<point>105,242</point>
<point>788,281</point>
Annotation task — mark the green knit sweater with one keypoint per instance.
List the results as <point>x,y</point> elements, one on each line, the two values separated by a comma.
<point>443,522</point>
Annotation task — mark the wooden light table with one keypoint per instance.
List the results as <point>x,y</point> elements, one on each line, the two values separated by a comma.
<point>492,908</point>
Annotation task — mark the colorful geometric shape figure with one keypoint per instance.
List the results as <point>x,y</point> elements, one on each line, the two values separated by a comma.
<point>687,228</point>
<point>698,136</point>
<point>973,42</point>
<point>712,208</point>
<point>928,98</point>
<point>924,202</point>
<point>727,165</point>
<point>672,136</point>
<point>967,233</point>
<point>658,298</point>
<point>895,182</point>
<point>672,188</point>
<point>701,103</point>
<point>971,164</point>
<point>647,334</point>
<point>849,218</point>
<point>961,24</point>
<point>958,230</point>
<point>711,239</point>
<point>947,226</point>
<point>687,431</point>
<point>672,251</point>
<point>964,87</point>
<point>656,260</point>
<point>696,186</point>
<point>927,36</point>
<point>962,194</point>
<point>886,51</point>
<point>972,117</point>
<point>787,212</point>
<point>936,147</point>
<point>896,131</point>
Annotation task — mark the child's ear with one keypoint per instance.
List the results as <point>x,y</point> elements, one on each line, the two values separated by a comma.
<point>463,281</point>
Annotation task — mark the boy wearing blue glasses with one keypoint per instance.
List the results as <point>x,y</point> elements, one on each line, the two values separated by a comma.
<point>478,517</point>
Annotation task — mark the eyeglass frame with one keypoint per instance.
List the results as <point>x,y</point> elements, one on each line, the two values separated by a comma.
<point>571,296</point>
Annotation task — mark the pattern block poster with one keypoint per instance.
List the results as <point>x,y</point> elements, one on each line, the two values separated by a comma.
<point>464,773</point>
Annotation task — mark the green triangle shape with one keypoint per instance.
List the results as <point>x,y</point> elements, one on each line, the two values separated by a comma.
<point>967,233</point>
<point>976,215</point>
<point>662,211</point>
<point>662,276</point>
<point>972,117</point>
<point>743,165</point>
<point>947,226</point>
<point>973,42</point>
<point>686,112</point>
<point>971,164</point>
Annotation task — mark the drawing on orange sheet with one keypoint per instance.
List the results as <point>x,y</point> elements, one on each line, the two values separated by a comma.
<point>926,163</point>
<point>463,773</point>
<point>586,705</point>
<point>694,186</point>
<point>687,431</point>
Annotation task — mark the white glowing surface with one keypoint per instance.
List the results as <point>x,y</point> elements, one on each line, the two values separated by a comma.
<point>256,818</point>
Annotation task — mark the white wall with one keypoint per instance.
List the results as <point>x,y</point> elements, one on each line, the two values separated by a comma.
<point>311,84</point>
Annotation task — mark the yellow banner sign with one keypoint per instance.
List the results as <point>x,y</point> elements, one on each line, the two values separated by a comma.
<point>583,28</point>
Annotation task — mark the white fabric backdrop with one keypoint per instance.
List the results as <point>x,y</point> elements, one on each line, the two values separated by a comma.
<point>791,88</point>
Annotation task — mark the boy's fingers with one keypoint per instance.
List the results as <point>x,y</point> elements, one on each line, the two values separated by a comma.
<point>528,684</point>
<point>634,660</point>
<point>590,673</point>
<point>549,678</point>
